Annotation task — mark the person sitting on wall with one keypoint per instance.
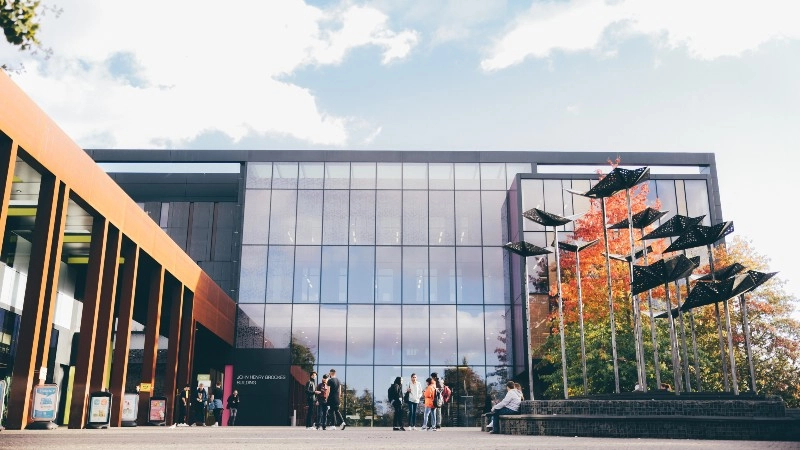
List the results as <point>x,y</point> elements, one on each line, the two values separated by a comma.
<point>508,406</point>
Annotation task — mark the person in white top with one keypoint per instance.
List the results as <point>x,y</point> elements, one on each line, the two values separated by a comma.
<point>414,391</point>
<point>509,405</point>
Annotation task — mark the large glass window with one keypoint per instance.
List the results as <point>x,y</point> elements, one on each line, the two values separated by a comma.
<point>252,286</point>
<point>442,275</point>
<point>468,218</point>
<point>310,176</point>
<point>512,169</point>
<point>415,334</point>
<point>362,217</point>
<point>470,335</point>
<point>337,175</point>
<point>279,274</point>
<point>495,265</point>
<point>387,334</point>
<point>284,175</point>
<point>256,217</point>
<point>250,326</point>
<point>442,218</point>
<point>415,218</point>
<point>277,326</point>
<point>334,274</point>
<point>441,176</point>
<point>388,274</point>
<point>697,200</point>
<point>415,275</point>
<point>259,175</point>
<point>336,217</point>
<point>493,176</point>
<point>306,274</point>
<point>665,192</point>
<point>532,197</point>
<point>390,176</point>
<point>360,332</point>
<point>361,287</point>
<point>389,217</point>
<point>469,277</point>
<point>283,217</point>
<point>332,334</point>
<point>443,335</point>
<point>415,176</point>
<point>309,217</point>
<point>492,204</point>
<point>362,175</point>
<point>468,176</point>
<point>305,333</point>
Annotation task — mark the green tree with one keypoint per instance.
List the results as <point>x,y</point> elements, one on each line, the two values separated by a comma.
<point>19,20</point>
<point>302,355</point>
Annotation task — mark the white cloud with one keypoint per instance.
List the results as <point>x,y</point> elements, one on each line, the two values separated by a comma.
<point>707,29</point>
<point>132,76</point>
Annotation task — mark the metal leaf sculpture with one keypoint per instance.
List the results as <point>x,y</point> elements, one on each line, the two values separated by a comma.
<point>711,292</point>
<point>661,272</point>
<point>627,258</point>
<point>641,220</point>
<point>547,219</point>
<point>723,273</point>
<point>577,246</point>
<point>617,180</point>
<point>526,249</point>
<point>674,227</point>
<point>700,235</point>
<point>759,278</point>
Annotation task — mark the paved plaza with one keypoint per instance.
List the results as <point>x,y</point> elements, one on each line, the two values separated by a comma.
<point>371,438</point>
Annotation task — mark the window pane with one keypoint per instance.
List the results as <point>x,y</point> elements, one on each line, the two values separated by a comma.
<point>415,218</point>
<point>332,334</point>
<point>512,169</point>
<point>279,274</point>
<point>493,176</point>
<point>580,204</point>
<point>697,200</point>
<point>309,217</point>
<point>442,218</point>
<point>337,175</point>
<point>390,176</point>
<point>336,212</point>
<point>665,191</point>
<point>388,274</point>
<point>250,326</point>
<point>361,288</point>
<point>470,335</point>
<point>492,204</point>
<point>415,275</point>
<point>277,327</point>
<point>306,274</point>
<point>468,218</point>
<point>362,217</point>
<point>469,278</point>
<point>532,197</point>
<point>441,176</point>
<point>553,197</point>
<point>495,264</point>
<point>387,334</point>
<point>359,387</point>
<point>442,275</point>
<point>253,281</point>
<point>415,334</point>
<point>284,176</point>
<point>360,329</point>
<point>305,332</point>
<point>415,176</point>
<point>259,175</point>
<point>256,217</point>
<point>389,217</point>
<point>468,176</point>
<point>443,335</point>
<point>310,175</point>
<point>680,196</point>
<point>334,274</point>
<point>363,175</point>
<point>282,219</point>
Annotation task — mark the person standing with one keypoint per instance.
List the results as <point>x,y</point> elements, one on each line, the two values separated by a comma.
<point>184,406</point>
<point>509,405</point>
<point>216,401</point>
<point>335,399</point>
<point>233,407</point>
<point>430,410</point>
<point>199,402</point>
<point>439,385</point>
<point>311,388</point>
<point>414,392</point>
<point>396,397</point>
<point>322,403</point>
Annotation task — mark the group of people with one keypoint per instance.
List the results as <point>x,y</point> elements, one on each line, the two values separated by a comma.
<point>192,408</point>
<point>433,395</point>
<point>324,397</point>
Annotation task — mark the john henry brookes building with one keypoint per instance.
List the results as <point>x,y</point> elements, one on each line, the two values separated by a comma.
<point>376,263</point>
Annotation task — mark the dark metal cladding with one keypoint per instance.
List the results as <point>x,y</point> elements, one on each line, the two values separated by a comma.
<point>526,249</point>
<point>674,227</point>
<point>641,220</point>
<point>700,235</point>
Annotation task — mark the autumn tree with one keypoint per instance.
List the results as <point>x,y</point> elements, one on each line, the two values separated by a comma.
<point>19,20</point>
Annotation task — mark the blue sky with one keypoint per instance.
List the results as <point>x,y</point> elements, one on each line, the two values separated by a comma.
<point>590,75</point>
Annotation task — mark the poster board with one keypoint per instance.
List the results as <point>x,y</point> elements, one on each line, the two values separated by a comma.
<point>99,410</point>
<point>157,415</point>
<point>45,403</point>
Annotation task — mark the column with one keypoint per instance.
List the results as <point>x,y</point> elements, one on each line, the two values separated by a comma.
<point>105,316</point>
<point>154,300</point>
<point>122,340</point>
<point>175,315</point>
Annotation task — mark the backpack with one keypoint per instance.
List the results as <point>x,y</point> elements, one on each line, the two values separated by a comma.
<point>437,398</point>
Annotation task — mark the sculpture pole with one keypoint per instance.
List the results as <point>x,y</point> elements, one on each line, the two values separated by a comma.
<point>719,324</point>
<point>746,329</point>
<point>561,315</point>
<point>637,319</point>
<point>610,299</point>
<point>653,324</point>
<point>684,351</point>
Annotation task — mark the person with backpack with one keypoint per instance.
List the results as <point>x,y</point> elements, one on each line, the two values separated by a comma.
<point>414,392</point>
<point>438,402</point>
<point>430,410</point>
<point>395,394</point>
<point>311,388</point>
<point>322,403</point>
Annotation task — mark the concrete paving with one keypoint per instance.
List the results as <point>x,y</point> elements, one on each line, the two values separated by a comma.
<point>351,437</point>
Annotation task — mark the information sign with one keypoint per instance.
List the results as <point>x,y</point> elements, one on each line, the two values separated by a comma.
<point>45,403</point>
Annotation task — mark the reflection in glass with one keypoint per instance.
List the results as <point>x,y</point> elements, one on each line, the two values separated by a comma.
<point>512,169</point>
<point>442,275</point>
<point>335,220</point>
<point>415,176</point>
<point>493,176</point>
<point>259,175</point>
<point>310,175</point>
<point>495,264</point>
<point>532,197</point>
<point>358,396</point>
<point>492,204</point>
<point>362,217</point>
<point>279,274</point>
<point>443,334</point>
<point>441,176</point>
<point>305,334</point>
<point>250,326</point>
<point>256,217</point>
<point>469,276</point>
<point>388,274</point>
<point>390,176</point>
<point>337,175</point>
<point>334,274</point>
<point>553,197</point>
<point>581,204</point>
<point>282,219</point>
<point>361,287</point>
<point>389,217</point>
<point>362,175</point>
<point>360,329</point>
<point>442,218</point>
<point>415,218</point>
<point>309,217</point>
<point>497,345</point>
<point>384,377</point>
<point>470,335</point>
<point>387,334</point>
<point>277,326</point>
<point>665,191</point>
<point>284,175</point>
<point>415,275</point>
<point>468,218</point>
<point>468,176</point>
<point>680,197</point>
<point>469,394</point>
<point>252,284</point>
<point>332,334</point>
<point>306,274</point>
<point>697,200</point>
<point>415,334</point>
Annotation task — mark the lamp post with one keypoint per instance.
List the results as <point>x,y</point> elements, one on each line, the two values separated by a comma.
<point>576,248</point>
<point>552,220</point>
<point>525,250</point>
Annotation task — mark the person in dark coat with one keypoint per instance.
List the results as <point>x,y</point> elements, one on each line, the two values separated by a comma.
<point>396,397</point>
<point>233,407</point>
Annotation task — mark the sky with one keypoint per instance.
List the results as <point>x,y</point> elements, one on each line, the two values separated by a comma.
<point>717,76</point>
